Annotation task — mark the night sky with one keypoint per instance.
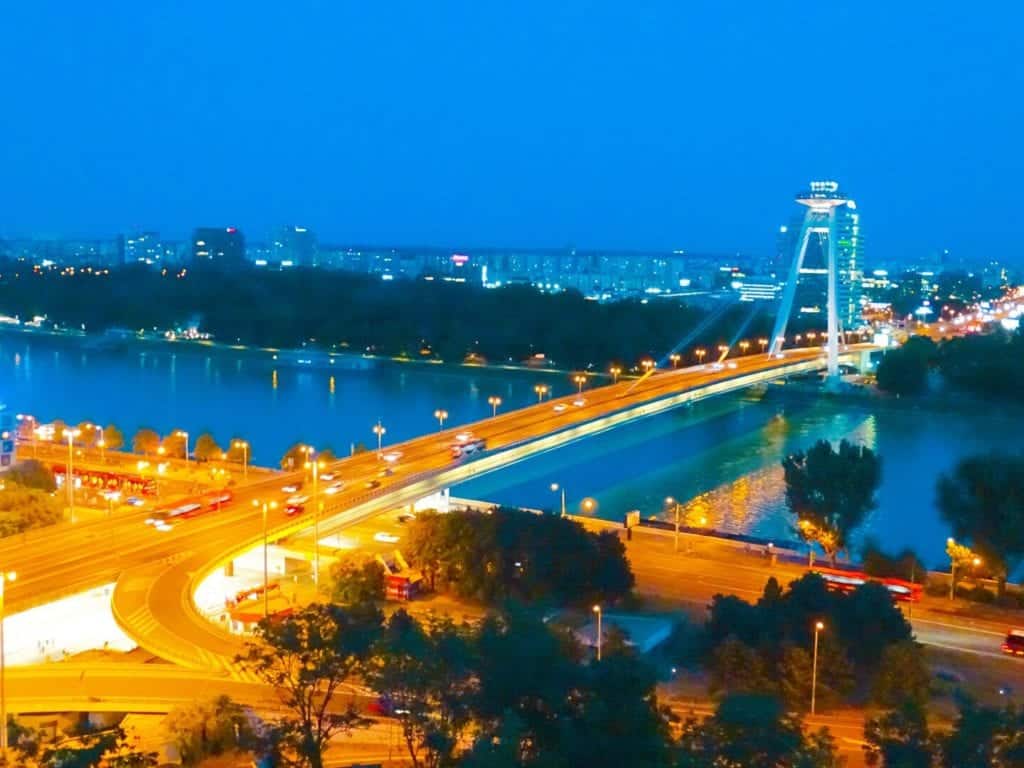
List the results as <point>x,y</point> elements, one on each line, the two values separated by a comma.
<point>676,124</point>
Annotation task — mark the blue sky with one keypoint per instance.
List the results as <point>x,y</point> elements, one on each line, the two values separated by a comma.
<point>677,124</point>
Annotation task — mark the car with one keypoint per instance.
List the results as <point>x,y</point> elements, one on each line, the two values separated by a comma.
<point>297,499</point>
<point>463,437</point>
<point>731,365</point>
<point>387,538</point>
<point>717,366</point>
<point>392,456</point>
<point>559,407</point>
<point>371,484</point>
<point>579,402</point>
<point>386,472</point>
<point>334,487</point>
<point>294,509</point>
<point>327,476</point>
<point>291,487</point>
<point>1014,643</point>
<point>405,517</point>
<point>134,501</point>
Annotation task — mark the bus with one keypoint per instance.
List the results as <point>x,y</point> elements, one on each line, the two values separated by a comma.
<point>839,580</point>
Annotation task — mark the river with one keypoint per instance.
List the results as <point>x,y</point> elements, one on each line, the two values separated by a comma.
<point>720,458</point>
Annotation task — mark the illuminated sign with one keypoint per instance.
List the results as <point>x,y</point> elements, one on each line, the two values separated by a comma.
<point>459,259</point>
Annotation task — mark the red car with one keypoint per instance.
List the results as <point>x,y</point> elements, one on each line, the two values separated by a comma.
<point>1014,642</point>
<point>294,509</point>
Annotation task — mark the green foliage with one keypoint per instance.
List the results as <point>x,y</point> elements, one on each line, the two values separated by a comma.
<point>206,448</point>
<point>753,731</point>
<point>983,502</point>
<point>306,658</point>
<point>354,583</point>
<point>904,370</point>
<point>767,647</point>
<point>902,676</point>
<point>513,554</point>
<point>830,491</point>
<point>208,729</point>
<point>92,750</point>
<point>906,565</point>
<point>900,739</point>
<point>23,509</point>
<point>985,737</point>
<point>989,365</point>
<point>32,474</point>
<point>145,441</point>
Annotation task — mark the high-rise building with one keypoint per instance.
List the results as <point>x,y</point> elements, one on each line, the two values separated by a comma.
<point>295,246</point>
<point>143,247</point>
<point>218,245</point>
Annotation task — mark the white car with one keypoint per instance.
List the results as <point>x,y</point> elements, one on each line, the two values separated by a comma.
<point>717,366</point>
<point>333,488</point>
<point>579,402</point>
<point>463,437</point>
<point>387,538</point>
<point>392,457</point>
<point>290,488</point>
<point>559,407</point>
<point>328,476</point>
<point>731,365</point>
<point>297,499</point>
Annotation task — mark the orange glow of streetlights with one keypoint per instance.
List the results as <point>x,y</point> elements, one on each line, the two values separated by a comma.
<point>675,357</point>
<point>579,379</point>
<point>541,390</point>
<point>494,401</point>
<point>743,346</point>
<point>700,352</point>
<point>615,371</point>
<point>764,343</point>
<point>648,364</point>
<point>440,414</point>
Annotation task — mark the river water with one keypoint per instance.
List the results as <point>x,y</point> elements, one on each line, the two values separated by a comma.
<point>721,458</point>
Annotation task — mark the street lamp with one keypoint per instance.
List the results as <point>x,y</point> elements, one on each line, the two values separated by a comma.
<point>266,565</point>
<point>184,436</point>
<point>317,509</point>
<point>580,380</point>
<point>541,390</point>
<point>440,414</point>
<point>5,577</point>
<point>379,430</point>
<point>554,489</point>
<point>494,401</point>
<point>671,502</point>
<point>818,626</point>
<point>34,429</point>
<point>244,445</point>
<point>597,610</point>
<point>743,346</point>
<point>764,343</point>
<point>588,505</point>
<point>674,357</point>
<point>648,364</point>
<point>723,350</point>
<point>71,434</point>
<point>700,352</point>
<point>615,371</point>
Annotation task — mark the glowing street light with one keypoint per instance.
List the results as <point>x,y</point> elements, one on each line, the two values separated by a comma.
<point>764,343</point>
<point>244,445</point>
<point>33,430</point>
<point>743,346</point>
<point>723,350</point>
<point>4,578</point>
<point>588,505</point>
<point>675,357</point>
<point>615,371</point>
<point>379,430</point>
<point>579,380</point>
<point>266,564</point>
<point>818,627</point>
<point>184,436</point>
<point>700,352</point>
<point>648,364</point>
<point>440,414</point>
<point>494,401</point>
<point>555,488</point>
<point>541,390</point>
<point>597,610</point>
<point>672,503</point>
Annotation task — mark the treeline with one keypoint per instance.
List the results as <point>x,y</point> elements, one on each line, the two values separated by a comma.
<point>28,500</point>
<point>984,365</point>
<point>508,554</point>
<point>364,313</point>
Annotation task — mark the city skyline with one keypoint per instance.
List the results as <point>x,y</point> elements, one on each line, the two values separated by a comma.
<point>364,146</point>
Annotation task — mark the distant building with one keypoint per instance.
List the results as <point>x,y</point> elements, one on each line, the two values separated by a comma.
<point>295,246</point>
<point>143,247</point>
<point>218,245</point>
<point>7,435</point>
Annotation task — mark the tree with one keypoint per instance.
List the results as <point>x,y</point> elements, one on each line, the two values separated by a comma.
<point>295,457</point>
<point>326,455</point>
<point>113,438</point>
<point>206,448</point>
<point>209,728</point>
<point>93,749</point>
<point>753,731</point>
<point>738,668</point>
<point>904,371</point>
<point>985,737</point>
<point>32,474</point>
<point>239,450</point>
<point>899,739</point>
<point>831,491</point>
<point>145,441</point>
<point>426,674</point>
<point>23,509</point>
<point>983,501</point>
<point>307,658</point>
<point>175,445</point>
<point>902,676</point>
<point>835,676</point>
<point>354,583</point>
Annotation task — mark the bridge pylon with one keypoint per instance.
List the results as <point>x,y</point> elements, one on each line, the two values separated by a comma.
<point>821,200</point>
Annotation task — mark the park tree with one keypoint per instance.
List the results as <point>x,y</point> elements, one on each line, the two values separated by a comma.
<point>900,739</point>
<point>206,448</point>
<point>831,491</point>
<point>146,441</point>
<point>904,370</point>
<point>984,737</point>
<point>295,457</point>
<point>835,676</point>
<point>308,658</point>
<point>23,509</point>
<point>901,676</point>
<point>239,450</point>
<point>753,731</point>
<point>982,499</point>
<point>425,672</point>
<point>208,729</point>
<point>355,582</point>
<point>113,438</point>
<point>176,445</point>
<point>32,474</point>
<point>738,668</point>
<point>326,455</point>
